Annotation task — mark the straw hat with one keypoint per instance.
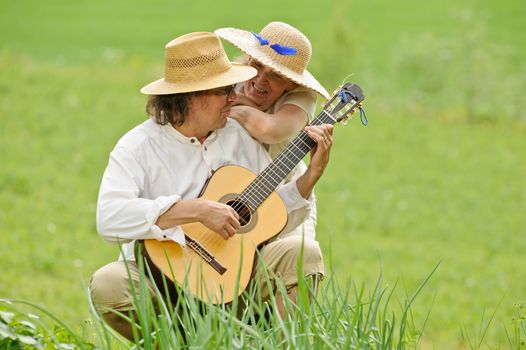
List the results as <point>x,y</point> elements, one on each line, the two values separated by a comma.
<point>195,62</point>
<point>279,46</point>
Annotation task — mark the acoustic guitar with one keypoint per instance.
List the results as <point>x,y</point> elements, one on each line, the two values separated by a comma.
<point>215,270</point>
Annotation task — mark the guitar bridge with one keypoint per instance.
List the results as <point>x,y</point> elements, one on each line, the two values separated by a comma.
<point>205,255</point>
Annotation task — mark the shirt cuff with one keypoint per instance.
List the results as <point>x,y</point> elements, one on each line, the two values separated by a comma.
<point>159,207</point>
<point>175,234</point>
<point>291,196</point>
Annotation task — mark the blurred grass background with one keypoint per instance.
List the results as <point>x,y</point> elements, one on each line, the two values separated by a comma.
<point>437,176</point>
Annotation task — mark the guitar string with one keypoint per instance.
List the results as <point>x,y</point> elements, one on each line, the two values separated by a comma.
<point>292,158</point>
<point>272,169</point>
<point>287,156</point>
<point>268,184</point>
<point>280,164</point>
<point>212,239</point>
<point>263,184</point>
<point>254,189</point>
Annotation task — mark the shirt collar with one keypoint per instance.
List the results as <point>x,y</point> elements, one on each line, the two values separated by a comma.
<point>193,141</point>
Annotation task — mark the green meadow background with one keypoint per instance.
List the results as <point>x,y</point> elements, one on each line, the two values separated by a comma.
<point>438,176</point>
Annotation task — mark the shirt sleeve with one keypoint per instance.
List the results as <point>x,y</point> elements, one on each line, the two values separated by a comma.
<point>298,208</point>
<point>123,216</point>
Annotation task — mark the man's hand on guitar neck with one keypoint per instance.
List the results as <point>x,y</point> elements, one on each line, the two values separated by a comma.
<point>218,217</point>
<point>319,155</point>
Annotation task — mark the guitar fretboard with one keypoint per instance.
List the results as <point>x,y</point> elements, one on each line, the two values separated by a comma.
<point>266,182</point>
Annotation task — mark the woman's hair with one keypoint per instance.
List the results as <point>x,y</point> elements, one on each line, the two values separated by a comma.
<point>170,109</point>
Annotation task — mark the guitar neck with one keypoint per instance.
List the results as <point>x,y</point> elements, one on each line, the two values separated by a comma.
<point>267,182</point>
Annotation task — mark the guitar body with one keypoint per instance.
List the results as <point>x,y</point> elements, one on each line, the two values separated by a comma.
<point>187,268</point>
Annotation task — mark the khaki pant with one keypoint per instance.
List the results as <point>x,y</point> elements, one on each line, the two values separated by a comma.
<point>110,285</point>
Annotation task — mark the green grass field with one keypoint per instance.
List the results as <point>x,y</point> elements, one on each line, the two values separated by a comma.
<point>438,176</point>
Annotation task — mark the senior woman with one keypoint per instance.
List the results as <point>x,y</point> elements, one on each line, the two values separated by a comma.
<point>280,100</point>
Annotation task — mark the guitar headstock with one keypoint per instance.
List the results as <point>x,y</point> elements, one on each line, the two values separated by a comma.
<point>344,102</point>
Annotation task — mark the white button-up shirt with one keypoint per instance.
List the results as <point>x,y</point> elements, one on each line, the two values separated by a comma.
<point>153,166</point>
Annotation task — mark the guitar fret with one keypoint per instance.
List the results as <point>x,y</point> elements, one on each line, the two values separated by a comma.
<point>286,166</point>
<point>296,158</point>
<point>262,190</point>
<point>256,197</point>
<point>296,146</point>
<point>329,115</point>
<point>272,176</point>
<point>282,172</point>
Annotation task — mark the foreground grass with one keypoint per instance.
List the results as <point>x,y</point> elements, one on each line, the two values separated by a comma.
<point>342,317</point>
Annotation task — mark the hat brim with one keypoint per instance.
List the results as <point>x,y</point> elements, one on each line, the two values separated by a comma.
<point>235,74</point>
<point>246,42</point>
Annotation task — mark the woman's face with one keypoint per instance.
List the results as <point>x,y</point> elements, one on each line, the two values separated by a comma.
<point>267,86</point>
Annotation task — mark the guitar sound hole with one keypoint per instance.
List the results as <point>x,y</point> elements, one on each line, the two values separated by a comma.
<point>242,210</point>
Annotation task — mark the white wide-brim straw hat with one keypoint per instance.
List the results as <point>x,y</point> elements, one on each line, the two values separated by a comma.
<point>196,62</point>
<point>279,46</point>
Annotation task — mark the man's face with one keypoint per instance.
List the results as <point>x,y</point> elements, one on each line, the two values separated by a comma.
<point>212,108</point>
<point>266,87</point>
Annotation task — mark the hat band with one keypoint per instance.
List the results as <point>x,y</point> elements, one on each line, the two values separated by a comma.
<point>280,49</point>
